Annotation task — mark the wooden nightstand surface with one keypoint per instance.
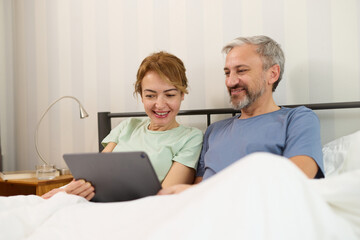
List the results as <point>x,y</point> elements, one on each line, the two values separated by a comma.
<point>32,185</point>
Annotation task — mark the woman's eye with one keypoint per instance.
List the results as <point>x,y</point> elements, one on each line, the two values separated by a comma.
<point>170,95</point>
<point>149,96</point>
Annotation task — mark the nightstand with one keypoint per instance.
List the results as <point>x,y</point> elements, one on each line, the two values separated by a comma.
<point>32,185</point>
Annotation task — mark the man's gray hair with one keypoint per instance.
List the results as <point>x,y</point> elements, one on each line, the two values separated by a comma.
<point>269,50</point>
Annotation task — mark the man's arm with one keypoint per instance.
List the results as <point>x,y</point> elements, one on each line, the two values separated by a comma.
<point>306,164</point>
<point>303,142</point>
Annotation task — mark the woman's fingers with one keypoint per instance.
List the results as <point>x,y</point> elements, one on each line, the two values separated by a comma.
<point>52,193</point>
<point>74,185</point>
<point>90,196</point>
<point>87,191</point>
<point>80,188</point>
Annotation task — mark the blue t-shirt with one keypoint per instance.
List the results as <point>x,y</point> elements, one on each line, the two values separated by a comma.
<point>287,132</point>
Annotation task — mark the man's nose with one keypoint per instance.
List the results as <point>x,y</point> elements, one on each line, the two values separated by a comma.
<point>231,80</point>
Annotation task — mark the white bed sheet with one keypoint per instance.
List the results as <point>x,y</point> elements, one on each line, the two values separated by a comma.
<point>263,196</point>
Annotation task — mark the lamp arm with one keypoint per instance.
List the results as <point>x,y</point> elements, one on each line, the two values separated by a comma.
<point>43,115</point>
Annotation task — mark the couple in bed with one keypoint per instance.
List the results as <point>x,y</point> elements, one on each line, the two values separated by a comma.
<point>253,68</point>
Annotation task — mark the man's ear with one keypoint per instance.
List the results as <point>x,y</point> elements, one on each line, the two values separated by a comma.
<point>182,96</point>
<point>273,74</point>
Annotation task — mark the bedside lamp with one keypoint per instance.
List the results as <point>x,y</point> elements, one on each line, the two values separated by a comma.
<point>47,168</point>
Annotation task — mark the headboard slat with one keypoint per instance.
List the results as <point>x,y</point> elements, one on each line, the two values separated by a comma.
<point>104,127</point>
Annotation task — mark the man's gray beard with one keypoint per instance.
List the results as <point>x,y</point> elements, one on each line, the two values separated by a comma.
<point>241,104</point>
<point>247,101</point>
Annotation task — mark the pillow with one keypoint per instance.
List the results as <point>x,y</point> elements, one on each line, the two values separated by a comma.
<point>342,154</point>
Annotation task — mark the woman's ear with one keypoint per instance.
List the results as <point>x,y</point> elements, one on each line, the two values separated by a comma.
<point>182,96</point>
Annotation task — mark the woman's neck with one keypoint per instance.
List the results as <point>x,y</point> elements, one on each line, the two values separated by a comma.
<point>157,127</point>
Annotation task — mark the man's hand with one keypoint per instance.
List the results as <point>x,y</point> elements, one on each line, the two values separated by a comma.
<point>174,189</point>
<point>76,187</point>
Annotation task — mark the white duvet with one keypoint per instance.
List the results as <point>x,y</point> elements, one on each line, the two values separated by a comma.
<point>260,197</point>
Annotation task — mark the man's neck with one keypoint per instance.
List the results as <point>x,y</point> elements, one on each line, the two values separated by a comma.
<point>259,107</point>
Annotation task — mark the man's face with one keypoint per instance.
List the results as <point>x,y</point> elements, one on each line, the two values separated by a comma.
<point>245,78</point>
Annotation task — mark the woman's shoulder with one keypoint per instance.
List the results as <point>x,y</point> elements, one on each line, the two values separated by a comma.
<point>131,123</point>
<point>137,121</point>
<point>191,130</point>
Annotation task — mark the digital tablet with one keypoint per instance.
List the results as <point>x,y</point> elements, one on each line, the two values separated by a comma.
<point>116,176</point>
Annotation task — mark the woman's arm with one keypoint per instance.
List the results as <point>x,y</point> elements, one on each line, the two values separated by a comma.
<point>179,174</point>
<point>109,147</point>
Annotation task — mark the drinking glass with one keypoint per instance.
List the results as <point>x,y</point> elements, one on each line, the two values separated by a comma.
<point>45,171</point>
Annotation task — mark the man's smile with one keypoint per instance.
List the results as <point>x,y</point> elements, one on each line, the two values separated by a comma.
<point>237,91</point>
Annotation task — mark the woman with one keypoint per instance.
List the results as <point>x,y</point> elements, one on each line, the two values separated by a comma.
<point>173,149</point>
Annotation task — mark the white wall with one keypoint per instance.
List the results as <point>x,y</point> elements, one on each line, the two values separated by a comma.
<point>7,125</point>
<point>91,49</point>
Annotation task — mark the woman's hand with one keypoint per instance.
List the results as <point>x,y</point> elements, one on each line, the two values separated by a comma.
<point>77,187</point>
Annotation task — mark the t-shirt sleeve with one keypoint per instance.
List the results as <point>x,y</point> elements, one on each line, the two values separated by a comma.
<point>189,153</point>
<point>115,133</point>
<point>303,136</point>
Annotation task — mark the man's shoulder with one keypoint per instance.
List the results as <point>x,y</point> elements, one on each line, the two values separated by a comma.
<point>301,116</point>
<point>300,111</point>
<point>296,109</point>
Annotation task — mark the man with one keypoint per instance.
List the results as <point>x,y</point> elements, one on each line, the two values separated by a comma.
<point>253,69</point>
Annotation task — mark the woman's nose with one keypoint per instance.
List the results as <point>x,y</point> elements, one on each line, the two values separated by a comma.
<point>160,103</point>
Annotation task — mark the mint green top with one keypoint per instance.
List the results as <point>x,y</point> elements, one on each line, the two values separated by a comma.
<point>181,144</point>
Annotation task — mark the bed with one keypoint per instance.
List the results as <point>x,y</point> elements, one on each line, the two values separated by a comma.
<point>234,204</point>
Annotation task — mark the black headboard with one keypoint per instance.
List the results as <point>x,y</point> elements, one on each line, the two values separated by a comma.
<point>104,118</point>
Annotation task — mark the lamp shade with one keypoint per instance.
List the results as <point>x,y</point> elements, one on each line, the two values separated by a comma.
<point>83,113</point>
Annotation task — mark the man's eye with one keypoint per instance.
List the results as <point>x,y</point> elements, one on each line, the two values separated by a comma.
<point>149,96</point>
<point>227,74</point>
<point>241,70</point>
<point>170,95</point>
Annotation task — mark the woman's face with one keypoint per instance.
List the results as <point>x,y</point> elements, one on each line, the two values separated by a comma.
<point>161,101</point>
